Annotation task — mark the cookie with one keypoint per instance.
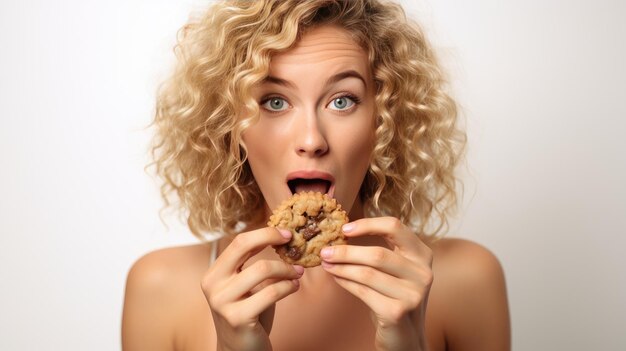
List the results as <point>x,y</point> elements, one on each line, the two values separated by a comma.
<point>315,221</point>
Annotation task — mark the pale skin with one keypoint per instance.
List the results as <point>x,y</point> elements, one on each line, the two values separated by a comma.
<point>385,290</point>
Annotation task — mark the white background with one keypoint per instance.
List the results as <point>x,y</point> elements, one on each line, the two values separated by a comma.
<point>541,84</point>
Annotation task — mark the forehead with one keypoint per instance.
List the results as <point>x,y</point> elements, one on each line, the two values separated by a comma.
<point>324,45</point>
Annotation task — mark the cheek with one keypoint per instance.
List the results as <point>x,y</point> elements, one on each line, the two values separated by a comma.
<point>357,147</point>
<point>265,147</point>
<point>361,154</point>
<point>255,138</point>
<point>258,152</point>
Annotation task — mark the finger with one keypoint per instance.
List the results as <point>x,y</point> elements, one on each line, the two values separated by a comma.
<point>392,230</point>
<point>264,299</point>
<point>246,245</point>
<point>262,285</point>
<point>380,282</point>
<point>251,277</point>
<point>374,256</point>
<point>383,307</point>
<point>270,281</point>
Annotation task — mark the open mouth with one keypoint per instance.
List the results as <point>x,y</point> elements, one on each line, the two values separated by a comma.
<point>299,185</point>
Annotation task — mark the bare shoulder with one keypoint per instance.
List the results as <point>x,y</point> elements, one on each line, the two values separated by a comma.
<point>168,273</point>
<point>470,290</point>
<point>466,260</point>
<point>160,287</point>
<point>160,266</point>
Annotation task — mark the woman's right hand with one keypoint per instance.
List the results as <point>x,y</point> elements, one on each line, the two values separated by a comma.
<point>242,300</point>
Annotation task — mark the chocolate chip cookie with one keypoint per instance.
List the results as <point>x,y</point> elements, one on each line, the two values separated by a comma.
<point>315,221</point>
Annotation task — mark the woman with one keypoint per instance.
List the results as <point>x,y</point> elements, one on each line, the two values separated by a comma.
<point>343,97</point>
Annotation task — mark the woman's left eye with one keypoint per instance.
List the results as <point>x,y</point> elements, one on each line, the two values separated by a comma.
<point>341,103</point>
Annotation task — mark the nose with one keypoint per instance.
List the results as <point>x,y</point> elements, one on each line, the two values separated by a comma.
<point>310,136</point>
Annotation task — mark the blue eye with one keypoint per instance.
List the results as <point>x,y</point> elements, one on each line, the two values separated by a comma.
<point>341,103</point>
<point>275,104</point>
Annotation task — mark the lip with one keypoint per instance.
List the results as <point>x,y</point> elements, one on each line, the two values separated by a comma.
<point>314,174</point>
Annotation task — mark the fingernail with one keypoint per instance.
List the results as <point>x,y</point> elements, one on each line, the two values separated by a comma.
<point>326,252</point>
<point>296,282</point>
<point>348,227</point>
<point>299,269</point>
<point>327,265</point>
<point>285,233</point>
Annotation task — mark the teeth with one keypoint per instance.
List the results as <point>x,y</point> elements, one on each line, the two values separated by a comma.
<point>305,185</point>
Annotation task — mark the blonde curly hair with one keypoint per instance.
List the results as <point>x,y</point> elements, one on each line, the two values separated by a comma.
<point>205,106</point>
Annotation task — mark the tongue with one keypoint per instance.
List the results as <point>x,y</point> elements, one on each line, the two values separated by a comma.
<point>311,185</point>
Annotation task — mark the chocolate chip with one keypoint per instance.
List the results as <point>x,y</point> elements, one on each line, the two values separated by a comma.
<point>310,231</point>
<point>293,252</point>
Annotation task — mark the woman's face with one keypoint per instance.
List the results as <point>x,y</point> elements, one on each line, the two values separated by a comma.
<point>316,125</point>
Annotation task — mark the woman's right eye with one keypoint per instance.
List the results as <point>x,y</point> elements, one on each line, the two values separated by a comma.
<point>275,104</point>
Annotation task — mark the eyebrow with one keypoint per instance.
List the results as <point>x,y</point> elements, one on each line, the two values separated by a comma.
<point>345,74</point>
<point>334,79</point>
<point>278,81</point>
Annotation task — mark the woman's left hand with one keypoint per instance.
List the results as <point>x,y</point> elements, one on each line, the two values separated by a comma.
<point>394,282</point>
